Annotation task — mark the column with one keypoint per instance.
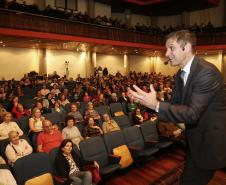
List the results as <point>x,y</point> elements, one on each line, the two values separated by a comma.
<point>223,66</point>
<point>91,8</point>
<point>126,64</point>
<point>89,64</point>
<point>41,57</point>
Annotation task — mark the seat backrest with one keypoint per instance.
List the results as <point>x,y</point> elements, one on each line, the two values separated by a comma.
<point>114,139</point>
<point>44,179</point>
<point>123,121</point>
<point>54,117</point>
<point>31,166</point>
<point>93,149</point>
<point>115,107</point>
<point>52,157</point>
<point>103,109</point>
<point>149,131</point>
<point>23,123</point>
<point>133,136</point>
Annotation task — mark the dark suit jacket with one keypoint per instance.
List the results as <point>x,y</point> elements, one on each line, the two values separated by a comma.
<point>201,105</point>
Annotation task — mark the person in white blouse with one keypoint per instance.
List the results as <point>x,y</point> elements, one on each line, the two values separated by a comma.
<point>6,177</point>
<point>8,125</point>
<point>17,148</point>
<point>71,132</point>
<point>35,122</point>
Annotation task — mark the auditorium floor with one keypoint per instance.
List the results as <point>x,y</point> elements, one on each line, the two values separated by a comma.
<point>159,166</point>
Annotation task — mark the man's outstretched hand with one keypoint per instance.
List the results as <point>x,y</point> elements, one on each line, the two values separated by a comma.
<point>147,99</point>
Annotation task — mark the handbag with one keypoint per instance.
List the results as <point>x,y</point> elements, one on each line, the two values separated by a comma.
<point>96,177</point>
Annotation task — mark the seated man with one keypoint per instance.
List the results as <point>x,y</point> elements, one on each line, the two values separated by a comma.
<point>49,138</point>
<point>109,125</point>
<point>17,147</point>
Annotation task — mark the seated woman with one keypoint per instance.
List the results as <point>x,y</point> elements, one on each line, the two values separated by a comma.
<point>35,122</point>
<point>109,125</point>
<point>17,148</point>
<point>8,125</point>
<point>71,131</point>
<point>69,164</point>
<point>91,129</point>
<point>91,112</point>
<point>138,118</point>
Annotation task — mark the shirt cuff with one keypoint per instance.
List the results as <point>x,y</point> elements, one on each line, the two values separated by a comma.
<point>157,107</point>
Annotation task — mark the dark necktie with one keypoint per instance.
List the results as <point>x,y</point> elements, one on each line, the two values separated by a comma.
<point>182,75</point>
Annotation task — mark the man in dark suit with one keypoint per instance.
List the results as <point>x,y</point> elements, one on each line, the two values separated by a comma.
<point>199,101</point>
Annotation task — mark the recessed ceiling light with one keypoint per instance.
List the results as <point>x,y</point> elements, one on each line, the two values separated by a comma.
<point>1,41</point>
<point>3,45</point>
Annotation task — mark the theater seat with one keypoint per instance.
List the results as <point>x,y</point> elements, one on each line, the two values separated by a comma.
<point>31,166</point>
<point>93,149</point>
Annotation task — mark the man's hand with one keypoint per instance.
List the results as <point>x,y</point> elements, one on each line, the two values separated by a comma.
<point>147,99</point>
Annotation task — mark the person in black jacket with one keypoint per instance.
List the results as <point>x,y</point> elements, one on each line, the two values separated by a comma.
<point>69,165</point>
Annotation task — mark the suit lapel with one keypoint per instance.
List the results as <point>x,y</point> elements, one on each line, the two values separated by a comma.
<point>189,80</point>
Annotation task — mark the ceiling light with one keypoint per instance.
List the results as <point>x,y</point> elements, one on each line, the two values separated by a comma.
<point>1,41</point>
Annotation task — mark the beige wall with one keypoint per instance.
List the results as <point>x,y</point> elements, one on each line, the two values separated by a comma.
<point>139,63</point>
<point>102,10</point>
<point>15,62</point>
<point>214,59</point>
<point>135,18</point>
<point>114,63</point>
<point>56,62</point>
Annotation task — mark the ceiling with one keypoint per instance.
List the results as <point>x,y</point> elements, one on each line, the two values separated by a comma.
<point>158,7</point>
<point>28,42</point>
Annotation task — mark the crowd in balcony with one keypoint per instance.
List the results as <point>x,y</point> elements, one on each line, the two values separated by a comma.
<point>105,21</point>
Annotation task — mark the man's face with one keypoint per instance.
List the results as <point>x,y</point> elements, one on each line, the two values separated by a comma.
<point>175,52</point>
<point>14,138</point>
<point>47,126</point>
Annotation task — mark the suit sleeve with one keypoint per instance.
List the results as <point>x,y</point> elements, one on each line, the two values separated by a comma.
<point>203,88</point>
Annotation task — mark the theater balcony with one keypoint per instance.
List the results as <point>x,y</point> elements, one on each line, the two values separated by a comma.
<point>12,21</point>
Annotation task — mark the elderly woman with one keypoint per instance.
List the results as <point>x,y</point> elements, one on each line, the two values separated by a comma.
<point>71,131</point>
<point>17,147</point>
<point>8,125</point>
<point>91,129</point>
<point>68,165</point>
<point>91,112</point>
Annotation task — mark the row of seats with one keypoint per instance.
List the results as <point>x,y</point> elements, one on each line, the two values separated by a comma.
<point>142,142</point>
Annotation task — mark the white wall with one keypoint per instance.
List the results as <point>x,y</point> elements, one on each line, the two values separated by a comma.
<point>102,9</point>
<point>56,62</point>
<point>15,62</point>
<point>114,63</point>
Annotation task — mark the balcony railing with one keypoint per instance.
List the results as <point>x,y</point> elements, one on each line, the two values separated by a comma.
<point>32,22</point>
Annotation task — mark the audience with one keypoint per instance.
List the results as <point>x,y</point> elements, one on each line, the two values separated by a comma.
<point>17,148</point>
<point>49,138</point>
<point>109,125</point>
<point>75,113</point>
<point>91,129</point>
<point>6,177</point>
<point>8,125</point>
<point>71,131</point>
<point>69,165</point>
